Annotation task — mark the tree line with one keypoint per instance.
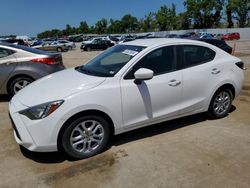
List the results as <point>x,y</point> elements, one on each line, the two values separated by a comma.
<point>197,14</point>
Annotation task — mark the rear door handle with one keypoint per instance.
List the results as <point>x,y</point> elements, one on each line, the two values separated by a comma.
<point>215,71</point>
<point>174,83</point>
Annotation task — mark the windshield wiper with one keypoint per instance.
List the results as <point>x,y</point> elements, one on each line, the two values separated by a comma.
<point>82,69</point>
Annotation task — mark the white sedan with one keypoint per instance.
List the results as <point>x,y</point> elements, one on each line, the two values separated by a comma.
<point>128,86</point>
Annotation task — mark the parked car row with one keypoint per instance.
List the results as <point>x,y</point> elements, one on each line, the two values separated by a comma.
<point>54,45</point>
<point>206,35</point>
<point>104,43</point>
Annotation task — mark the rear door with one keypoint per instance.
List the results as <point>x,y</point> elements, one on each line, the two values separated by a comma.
<point>7,64</point>
<point>201,73</point>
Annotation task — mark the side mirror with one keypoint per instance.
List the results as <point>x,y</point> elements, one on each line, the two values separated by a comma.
<point>143,74</point>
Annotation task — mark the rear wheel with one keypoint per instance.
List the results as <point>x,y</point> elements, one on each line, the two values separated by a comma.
<point>18,84</point>
<point>221,103</point>
<point>85,137</point>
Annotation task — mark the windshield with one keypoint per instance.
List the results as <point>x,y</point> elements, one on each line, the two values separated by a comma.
<point>111,61</point>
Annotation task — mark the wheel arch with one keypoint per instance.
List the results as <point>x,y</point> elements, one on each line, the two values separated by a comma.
<point>210,111</point>
<point>82,113</point>
<point>223,86</point>
<point>227,86</point>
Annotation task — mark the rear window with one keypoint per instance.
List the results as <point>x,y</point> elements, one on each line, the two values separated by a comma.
<point>5,52</point>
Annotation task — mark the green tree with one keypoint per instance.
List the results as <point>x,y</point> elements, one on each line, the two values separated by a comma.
<point>238,10</point>
<point>204,13</point>
<point>101,26</point>
<point>92,29</point>
<point>129,23</point>
<point>68,30</point>
<point>115,26</point>
<point>148,23</point>
<point>229,11</point>
<point>166,18</point>
<point>83,27</point>
<point>183,21</point>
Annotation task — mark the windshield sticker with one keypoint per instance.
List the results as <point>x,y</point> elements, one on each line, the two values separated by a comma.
<point>130,52</point>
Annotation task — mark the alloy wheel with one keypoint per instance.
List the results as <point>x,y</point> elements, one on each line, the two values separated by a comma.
<point>87,136</point>
<point>20,84</point>
<point>222,103</point>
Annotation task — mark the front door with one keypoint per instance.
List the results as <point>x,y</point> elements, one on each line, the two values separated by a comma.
<point>155,99</point>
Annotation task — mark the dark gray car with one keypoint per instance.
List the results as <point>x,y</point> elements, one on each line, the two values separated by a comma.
<point>20,65</point>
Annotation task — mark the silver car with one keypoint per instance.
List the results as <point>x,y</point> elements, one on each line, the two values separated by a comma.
<point>68,44</point>
<point>52,47</point>
<point>21,65</point>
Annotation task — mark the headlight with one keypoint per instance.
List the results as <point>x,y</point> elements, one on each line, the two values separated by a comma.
<point>42,110</point>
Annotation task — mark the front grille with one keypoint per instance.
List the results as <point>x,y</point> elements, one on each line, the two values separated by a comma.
<point>14,127</point>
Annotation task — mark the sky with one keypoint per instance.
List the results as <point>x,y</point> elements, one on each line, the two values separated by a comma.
<point>30,17</point>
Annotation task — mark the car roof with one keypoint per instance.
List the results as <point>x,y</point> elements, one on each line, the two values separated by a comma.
<point>160,41</point>
<point>23,48</point>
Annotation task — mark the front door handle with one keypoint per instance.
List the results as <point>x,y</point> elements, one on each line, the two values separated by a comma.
<point>215,71</point>
<point>174,83</point>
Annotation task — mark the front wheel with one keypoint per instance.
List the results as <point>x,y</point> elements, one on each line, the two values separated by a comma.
<point>85,137</point>
<point>221,103</point>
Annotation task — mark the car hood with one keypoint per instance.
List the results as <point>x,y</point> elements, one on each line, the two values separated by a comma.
<point>57,86</point>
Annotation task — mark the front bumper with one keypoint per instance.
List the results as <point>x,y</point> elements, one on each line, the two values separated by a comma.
<point>27,132</point>
<point>21,134</point>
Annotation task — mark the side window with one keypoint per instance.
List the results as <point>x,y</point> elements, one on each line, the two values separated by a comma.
<point>160,61</point>
<point>195,55</point>
<point>5,52</point>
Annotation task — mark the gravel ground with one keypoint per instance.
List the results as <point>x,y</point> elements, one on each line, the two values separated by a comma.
<point>188,152</point>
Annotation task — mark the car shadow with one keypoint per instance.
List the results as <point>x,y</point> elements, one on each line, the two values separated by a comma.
<point>159,128</point>
<point>141,133</point>
<point>5,98</point>
<point>44,157</point>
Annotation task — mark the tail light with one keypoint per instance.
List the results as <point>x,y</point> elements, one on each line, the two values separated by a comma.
<point>48,61</point>
<point>240,65</point>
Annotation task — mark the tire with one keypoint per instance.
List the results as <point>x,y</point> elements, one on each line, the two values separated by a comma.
<point>59,49</point>
<point>70,48</point>
<point>90,132</point>
<point>88,49</point>
<point>220,104</point>
<point>19,83</point>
